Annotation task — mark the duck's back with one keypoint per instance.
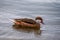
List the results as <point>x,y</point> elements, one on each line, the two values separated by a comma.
<point>31,21</point>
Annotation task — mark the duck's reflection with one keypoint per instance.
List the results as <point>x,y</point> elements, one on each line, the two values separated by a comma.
<point>36,31</point>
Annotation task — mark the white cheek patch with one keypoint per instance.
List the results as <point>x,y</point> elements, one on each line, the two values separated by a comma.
<point>38,21</point>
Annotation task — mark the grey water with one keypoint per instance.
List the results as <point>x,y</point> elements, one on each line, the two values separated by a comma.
<point>49,10</point>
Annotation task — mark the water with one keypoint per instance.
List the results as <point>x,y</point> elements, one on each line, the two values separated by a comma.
<point>49,10</point>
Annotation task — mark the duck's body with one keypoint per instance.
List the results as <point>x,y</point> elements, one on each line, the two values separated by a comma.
<point>26,22</point>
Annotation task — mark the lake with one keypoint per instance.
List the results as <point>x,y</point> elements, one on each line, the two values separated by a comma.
<point>49,10</point>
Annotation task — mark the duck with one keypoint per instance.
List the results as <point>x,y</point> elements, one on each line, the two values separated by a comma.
<point>27,22</point>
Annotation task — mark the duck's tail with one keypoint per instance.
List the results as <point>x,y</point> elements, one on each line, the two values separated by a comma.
<point>11,20</point>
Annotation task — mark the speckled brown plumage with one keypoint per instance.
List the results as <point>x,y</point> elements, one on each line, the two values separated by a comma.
<point>26,20</point>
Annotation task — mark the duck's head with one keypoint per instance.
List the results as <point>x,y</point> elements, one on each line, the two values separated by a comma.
<point>39,19</point>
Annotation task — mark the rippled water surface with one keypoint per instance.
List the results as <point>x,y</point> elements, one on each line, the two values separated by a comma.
<point>49,10</point>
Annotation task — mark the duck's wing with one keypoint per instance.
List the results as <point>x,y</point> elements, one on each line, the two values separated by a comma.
<point>31,21</point>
